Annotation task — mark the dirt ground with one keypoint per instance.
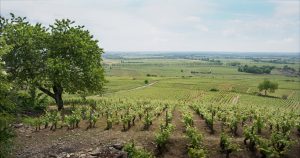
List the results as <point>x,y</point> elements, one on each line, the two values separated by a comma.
<point>98,142</point>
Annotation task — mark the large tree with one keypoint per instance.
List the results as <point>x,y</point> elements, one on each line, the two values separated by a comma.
<point>267,85</point>
<point>61,58</point>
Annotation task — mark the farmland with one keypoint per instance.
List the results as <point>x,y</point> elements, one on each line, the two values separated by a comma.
<point>189,105</point>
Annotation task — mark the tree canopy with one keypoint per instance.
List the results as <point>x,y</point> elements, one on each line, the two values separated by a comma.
<point>60,58</point>
<point>256,69</point>
<point>267,85</point>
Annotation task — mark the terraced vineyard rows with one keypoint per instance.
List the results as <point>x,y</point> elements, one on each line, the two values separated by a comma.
<point>185,128</point>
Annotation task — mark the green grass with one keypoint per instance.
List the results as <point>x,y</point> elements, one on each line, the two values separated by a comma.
<point>174,81</point>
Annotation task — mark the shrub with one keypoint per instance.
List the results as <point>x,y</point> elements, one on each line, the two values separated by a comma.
<point>196,153</point>
<point>195,138</point>
<point>6,135</point>
<point>162,137</point>
<point>134,152</point>
<point>226,145</point>
<point>146,81</point>
<point>284,96</point>
<point>214,90</point>
<point>188,119</point>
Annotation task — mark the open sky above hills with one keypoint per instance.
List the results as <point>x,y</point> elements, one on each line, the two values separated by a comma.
<point>175,25</point>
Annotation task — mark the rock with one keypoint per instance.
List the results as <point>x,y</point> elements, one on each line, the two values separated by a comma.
<point>90,149</point>
<point>52,156</point>
<point>18,125</point>
<point>29,136</point>
<point>22,130</point>
<point>111,148</point>
<point>118,146</point>
<point>121,154</point>
<point>82,155</point>
<point>96,152</point>
<point>68,155</point>
<point>62,155</point>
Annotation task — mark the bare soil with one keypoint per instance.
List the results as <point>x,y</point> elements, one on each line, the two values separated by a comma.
<point>83,143</point>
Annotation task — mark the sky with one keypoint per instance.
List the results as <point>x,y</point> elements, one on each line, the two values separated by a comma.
<point>175,25</point>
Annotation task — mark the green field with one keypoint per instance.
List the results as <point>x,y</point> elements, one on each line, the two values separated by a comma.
<point>176,114</point>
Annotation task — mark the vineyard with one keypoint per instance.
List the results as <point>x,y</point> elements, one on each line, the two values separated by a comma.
<point>214,126</point>
<point>149,79</point>
<point>218,114</point>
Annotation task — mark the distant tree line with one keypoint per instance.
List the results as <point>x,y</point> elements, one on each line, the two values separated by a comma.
<point>275,61</point>
<point>234,64</point>
<point>290,71</point>
<point>213,61</point>
<point>287,68</point>
<point>256,69</point>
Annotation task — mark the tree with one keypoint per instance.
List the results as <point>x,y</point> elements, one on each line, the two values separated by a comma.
<point>267,85</point>
<point>61,58</point>
<point>6,106</point>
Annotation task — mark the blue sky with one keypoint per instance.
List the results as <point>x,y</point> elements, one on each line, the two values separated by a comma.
<point>175,25</point>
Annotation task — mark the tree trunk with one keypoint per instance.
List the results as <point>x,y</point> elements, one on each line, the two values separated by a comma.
<point>57,89</point>
<point>265,92</point>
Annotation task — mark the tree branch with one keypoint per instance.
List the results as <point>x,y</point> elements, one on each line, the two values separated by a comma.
<point>46,91</point>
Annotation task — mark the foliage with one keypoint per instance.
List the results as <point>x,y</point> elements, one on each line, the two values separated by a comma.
<point>214,90</point>
<point>134,152</point>
<point>188,119</point>
<point>6,135</point>
<point>226,145</point>
<point>162,137</point>
<point>194,137</point>
<point>62,57</point>
<point>92,117</point>
<point>196,153</point>
<point>148,118</point>
<point>146,81</point>
<point>255,69</point>
<point>267,85</point>
<point>7,105</point>
<point>73,120</point>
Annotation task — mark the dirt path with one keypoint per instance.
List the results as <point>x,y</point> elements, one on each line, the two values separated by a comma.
<point>248,90</point>
<point>177,142</point>
<point>291,94</point>
<point>148,85</point>
<point>133,89</point>
<point>236,99</point>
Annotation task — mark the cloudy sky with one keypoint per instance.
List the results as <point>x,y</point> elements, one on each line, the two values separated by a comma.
<point>175,25</point>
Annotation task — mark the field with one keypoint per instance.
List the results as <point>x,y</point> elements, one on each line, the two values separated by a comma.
<point>189,102</point>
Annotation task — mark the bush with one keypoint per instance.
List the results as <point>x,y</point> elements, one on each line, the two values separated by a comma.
<point>133,152</point>
<point>162,137</point>
<point>284,96</point>
<point>6,135</point>
<point>146,81</point>
<point>226,145</point>
<point>31,101</point>
<point>214,90</point>
<point>196,153</point>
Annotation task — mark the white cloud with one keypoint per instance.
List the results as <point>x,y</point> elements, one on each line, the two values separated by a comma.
<point>128,25</point>
<point>287,8</point>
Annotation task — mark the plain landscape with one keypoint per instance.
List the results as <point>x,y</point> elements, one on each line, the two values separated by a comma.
<point>180,86</point>
<point>150,79</point>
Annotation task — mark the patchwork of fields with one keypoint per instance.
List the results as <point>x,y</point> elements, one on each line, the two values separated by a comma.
<point>187,107</point>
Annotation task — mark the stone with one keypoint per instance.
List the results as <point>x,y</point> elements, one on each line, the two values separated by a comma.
<point>118,146</point>
<point>96,152</point>
<point>121,154</point>
<point>18,125</point>
<point>52,155</point>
